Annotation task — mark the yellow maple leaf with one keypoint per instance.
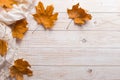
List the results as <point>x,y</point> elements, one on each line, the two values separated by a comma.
<point>79,15</point>
<point>45,16</point>
<point>19,28</point>
<point>19,69</point>
<point>7,3</point>
<point>3,47</point>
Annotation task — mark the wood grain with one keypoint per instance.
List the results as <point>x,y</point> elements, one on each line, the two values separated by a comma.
<point>71,39</point>
<point>90,5</point>
<point>71,56</point>
<point>88,52</point>
<point>100,21</point>
<point>75,73</point>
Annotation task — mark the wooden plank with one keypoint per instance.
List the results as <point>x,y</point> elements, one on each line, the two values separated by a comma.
<point>74,73</point>
<point>91,5</point>
<point>89,52</point>
<point>100,21</point>
<point>71,56</point>
<point>71,39</point>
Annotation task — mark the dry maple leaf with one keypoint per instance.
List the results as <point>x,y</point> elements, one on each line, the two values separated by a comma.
<point>19,69</point>
<point>45,16</point>
<point>79,15</point>
<point>3,47</point>
<point>19,28</point>
<point>7,3</point>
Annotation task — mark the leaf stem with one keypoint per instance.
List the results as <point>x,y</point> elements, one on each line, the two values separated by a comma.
<point>69,24</point>
<point>7,61</point>
<point>34,30</point>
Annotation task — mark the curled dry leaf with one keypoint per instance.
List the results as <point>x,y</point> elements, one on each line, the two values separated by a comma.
<point>3,47</point>
<point>7,3</point>
<point>45,16</point>
<point>19,28</point>
<point>79,15</point>
<point>19,69</point>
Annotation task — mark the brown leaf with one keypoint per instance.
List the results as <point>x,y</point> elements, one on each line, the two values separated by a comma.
<point>79,15</point>
<point>3,47</point>
<point>19,69</point>
<point>45,16</point>
<point>19,29</point>
<point>7,3</point>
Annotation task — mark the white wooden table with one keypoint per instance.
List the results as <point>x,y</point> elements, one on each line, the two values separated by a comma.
<point>90,52</point>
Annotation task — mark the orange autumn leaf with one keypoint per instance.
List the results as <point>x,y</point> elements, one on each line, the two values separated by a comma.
<point>19,28</point>
<point>7,3</point>
<point>19,69</point>
<point>79,15</point>
<point>3,47</point>
<point>45,16</point>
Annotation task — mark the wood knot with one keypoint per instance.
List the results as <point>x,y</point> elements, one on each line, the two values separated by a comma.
<point>90,70</point>
<point>84,40</point>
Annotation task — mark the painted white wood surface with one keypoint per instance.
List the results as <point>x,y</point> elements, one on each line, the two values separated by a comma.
<point>100,21</point>
<point>75,73</point>
<point>90,5</point>
<point>88,52</point>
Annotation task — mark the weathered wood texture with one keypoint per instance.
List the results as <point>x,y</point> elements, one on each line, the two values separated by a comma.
<point>88,52</point>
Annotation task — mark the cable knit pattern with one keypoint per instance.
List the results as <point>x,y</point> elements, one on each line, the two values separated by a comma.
<point>5,34</point>
<point>17,12</point>
<point>8,17</point>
